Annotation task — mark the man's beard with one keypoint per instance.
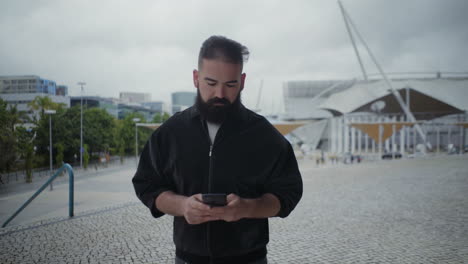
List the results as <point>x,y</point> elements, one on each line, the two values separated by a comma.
<point>217,113</point>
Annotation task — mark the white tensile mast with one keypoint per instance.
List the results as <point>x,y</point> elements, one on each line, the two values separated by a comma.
<point>397,95</point>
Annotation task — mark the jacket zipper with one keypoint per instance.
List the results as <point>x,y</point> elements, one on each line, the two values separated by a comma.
<point>210,174</point>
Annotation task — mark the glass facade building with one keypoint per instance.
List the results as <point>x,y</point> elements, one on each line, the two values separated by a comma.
<point>182,100</point>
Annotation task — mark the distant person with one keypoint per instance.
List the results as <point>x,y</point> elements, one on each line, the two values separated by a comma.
<point>216,150</point>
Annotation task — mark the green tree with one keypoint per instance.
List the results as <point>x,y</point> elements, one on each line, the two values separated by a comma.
<point>10,117</point>
<point>26,150</point>
<point>160,118</point>
<point>127,131</point>
<point>42,103</point>
<point>121,149</point>
<point>165,117</point>
<point>59,157</point>
<point>60,133</point>
<point>28,162</point>
<point>85,156</point>
<point>7,141</point>
<point>157,118</point>
<point>99,130</point>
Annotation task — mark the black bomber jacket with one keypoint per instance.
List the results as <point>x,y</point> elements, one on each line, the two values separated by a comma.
<point>249,157</point>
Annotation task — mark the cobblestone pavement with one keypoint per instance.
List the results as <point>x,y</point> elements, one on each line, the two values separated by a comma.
<point>410,211</point>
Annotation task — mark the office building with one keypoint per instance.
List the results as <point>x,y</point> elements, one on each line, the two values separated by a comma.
<point>108,104</point>
<point>182,100</point>
<point>22,89</point>
<point>133,97</point>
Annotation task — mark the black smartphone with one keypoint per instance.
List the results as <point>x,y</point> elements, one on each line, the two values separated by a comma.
<point>214,199</point>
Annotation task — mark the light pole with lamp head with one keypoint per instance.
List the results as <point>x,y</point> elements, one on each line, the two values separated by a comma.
<point>50,113</point>
<point>136,120</point>
<point>81,125</point>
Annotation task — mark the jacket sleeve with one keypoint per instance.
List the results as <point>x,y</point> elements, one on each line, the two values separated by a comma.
<point>150,180</point>
<point>285,181</point>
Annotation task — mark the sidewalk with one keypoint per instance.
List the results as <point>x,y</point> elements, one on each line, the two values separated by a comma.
<point>405,211</point>
<point>93,190</point>
<point>20,186</point>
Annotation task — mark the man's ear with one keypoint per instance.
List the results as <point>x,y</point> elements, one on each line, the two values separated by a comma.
<point>195,78</point>
<point>242,81</point>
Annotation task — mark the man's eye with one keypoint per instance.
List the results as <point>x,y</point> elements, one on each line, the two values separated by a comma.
<point>230,85</point>
<point>211,84</point>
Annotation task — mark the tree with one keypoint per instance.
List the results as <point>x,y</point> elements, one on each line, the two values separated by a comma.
<point>85,156</point>
<point>165,117</point>
<point>8,147</point>
<point>26,150</point>
<point>61,132</point>
<point>59,157</point>
<point>10,118</point>
<point>126,132</point>
<point>99,129</point>
<point>121,149</point>
<point>157,118</point>
<point>41,103</point>
<point>160,118</point>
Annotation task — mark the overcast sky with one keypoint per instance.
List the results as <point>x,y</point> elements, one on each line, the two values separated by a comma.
<point>152,46</point>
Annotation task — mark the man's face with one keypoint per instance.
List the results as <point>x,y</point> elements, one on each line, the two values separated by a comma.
<point>218,79</point>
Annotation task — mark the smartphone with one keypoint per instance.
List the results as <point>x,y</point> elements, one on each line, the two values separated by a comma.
<point>214,199</point>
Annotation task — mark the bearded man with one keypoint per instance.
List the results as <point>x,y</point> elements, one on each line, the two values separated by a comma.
<point>220,169</point>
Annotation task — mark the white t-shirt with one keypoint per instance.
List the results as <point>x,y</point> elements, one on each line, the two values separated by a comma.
<point>212,130</point>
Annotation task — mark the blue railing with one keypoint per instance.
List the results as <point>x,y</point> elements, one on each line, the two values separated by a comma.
<point>65,166</point>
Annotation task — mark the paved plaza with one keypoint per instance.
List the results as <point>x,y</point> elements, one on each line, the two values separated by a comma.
<point>405,211</point>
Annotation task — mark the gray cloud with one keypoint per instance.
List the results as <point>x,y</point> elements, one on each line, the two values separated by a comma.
<point>152,46</point>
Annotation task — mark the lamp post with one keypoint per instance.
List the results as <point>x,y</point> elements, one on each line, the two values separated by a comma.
<point>81,125</point>
<point>50,113</point>
<point>136,120</point>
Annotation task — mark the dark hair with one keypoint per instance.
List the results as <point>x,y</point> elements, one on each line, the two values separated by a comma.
<point>228,50</point>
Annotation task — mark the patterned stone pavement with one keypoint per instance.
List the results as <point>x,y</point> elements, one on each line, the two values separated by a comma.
<point>409,211</point>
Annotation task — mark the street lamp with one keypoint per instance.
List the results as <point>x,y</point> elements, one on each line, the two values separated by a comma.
<point>50,113</point>
<point>81,126</point>
<point>136,120</point>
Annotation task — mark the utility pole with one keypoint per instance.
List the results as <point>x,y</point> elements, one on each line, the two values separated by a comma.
<point>81,125</point>
<point>50,113</point>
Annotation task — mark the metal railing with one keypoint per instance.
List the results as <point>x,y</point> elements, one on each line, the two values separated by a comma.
<point>39,173</point>
<point>69,169</point>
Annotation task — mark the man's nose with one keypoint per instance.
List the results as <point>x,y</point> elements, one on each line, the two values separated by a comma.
<point>219,91</point>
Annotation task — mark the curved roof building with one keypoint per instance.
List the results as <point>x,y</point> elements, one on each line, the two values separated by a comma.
<point>428,98</point>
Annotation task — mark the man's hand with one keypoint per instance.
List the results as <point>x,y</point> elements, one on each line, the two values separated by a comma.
<point>236,209</point>
<point>196,212</point>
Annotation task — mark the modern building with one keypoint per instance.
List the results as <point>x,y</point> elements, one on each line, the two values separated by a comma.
<point>133,97</point>
<point>108,104</point>
<point>182,100</point>
<point>367,117</point>
<point>118,109</point>
<point>61,90</point>
<point>302,98</point>
<point>157,106</point>
<point>23,84</point>
<point>125,109</point>
<point>21,90</point>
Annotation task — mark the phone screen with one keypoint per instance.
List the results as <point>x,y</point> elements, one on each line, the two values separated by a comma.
<point>214,199</point>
